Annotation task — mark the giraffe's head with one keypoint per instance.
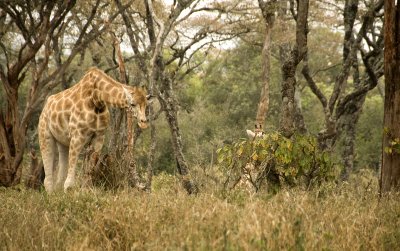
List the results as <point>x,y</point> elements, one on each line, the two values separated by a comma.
<point>137,100</point>
<point>258,132</point>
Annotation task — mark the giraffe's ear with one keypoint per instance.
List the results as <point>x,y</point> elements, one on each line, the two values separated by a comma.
<point>150,98</point>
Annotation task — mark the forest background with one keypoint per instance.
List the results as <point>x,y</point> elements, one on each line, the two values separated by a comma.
<point>215,64</point>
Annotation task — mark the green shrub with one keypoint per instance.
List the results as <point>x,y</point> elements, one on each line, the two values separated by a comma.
<point>274,161</point>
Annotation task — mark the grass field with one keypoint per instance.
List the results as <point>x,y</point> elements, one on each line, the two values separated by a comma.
<point>345,217</point>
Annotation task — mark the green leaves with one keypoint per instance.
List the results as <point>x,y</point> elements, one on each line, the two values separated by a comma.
<point>295,161</point>
<point>394,143</point>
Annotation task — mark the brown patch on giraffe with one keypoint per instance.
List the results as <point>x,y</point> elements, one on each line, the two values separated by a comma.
<point>115,93</point>
<point>108,87</point>
<point>89,104</point>
<point>67,105</point>
<point>54,117</point>
<point>79,105</point>
<point>102,121</point>
<point>86,93</point>
<point>107,96</point>
<point>85,131</point>
<point>100,83</point>
<point>81,124</point>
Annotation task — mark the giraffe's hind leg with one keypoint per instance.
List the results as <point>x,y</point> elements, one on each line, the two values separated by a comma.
<point>48,150</point>
<point>62,165</point>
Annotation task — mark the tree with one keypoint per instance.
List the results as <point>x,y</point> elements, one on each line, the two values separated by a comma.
<point>33,31</point>
<point>390,172</point>
<point>343,107</point>
<point>170,43</point>
<point>290,59</point>
<point>268,13</point>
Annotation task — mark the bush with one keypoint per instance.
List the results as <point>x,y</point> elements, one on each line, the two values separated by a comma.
<point>275,161</point>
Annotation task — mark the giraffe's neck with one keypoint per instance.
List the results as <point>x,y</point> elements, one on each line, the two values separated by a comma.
<point>107,91</point>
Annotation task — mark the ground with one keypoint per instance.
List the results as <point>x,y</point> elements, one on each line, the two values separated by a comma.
<point>346,217</point>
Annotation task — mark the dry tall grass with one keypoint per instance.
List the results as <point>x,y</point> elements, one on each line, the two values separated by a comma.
<point>350,217</point>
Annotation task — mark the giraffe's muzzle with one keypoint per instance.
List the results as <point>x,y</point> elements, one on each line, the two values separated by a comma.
<point>143,124</point>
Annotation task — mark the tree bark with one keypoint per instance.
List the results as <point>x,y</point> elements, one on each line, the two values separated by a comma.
<point>390,172</point>
<point>268,13</point>
<point>36,175</point>
<point>168,104</point>
<point>347,125</point>
<point>153,144</point>
<point>299,123</point>
<point>289,66</point>
<point>286,122</point>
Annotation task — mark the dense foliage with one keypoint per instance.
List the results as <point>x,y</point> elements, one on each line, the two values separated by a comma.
<point>275,161</point>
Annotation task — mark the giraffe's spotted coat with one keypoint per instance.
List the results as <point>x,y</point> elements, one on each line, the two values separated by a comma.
<point>73,117</point>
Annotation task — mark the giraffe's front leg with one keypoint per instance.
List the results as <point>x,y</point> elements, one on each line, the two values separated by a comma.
<point>48,150</point>
<point>76,144</point>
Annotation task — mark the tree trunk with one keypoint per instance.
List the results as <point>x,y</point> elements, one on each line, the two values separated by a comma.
<point>289,66</point>
<point>36,175</point>
<point>267,9</point>
<point>153,143</point>
<point>286,122</point>
<point>347,127</point>
<point>299,123</point>
<point>13,143</point>
<point>169,106</point>
<point>390,172</point>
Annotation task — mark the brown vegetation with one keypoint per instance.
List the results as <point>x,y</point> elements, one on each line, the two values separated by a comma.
<point>349,217</point>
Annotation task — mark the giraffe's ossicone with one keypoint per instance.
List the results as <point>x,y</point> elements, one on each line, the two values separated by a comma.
<point>72,118</point>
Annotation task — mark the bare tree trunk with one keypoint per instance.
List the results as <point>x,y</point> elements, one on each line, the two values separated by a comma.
<point>390,172</point>
<point>133,177</point>
<point>347,127</point>
<point>153,143</point>
<point>36,172</point>
<point>289,66</point>
<point>286,122</point>
<point>169,106</point>
<point>299,123</point>
<point>13,143</point>
<point>268,12</point>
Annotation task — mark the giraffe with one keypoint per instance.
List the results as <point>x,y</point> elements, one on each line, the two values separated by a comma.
<point>79,115</point>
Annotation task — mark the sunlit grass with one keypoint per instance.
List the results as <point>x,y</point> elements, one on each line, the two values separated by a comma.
<point>345,217</point>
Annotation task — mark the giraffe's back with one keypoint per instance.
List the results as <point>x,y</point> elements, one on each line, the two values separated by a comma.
<point>72,112</point>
